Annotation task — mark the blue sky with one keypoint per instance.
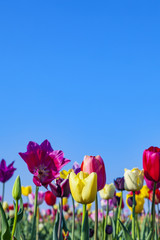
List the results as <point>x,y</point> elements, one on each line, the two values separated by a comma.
<point>83,74</point>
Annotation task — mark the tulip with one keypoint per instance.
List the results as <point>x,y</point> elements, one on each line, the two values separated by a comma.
<point>107,192</point>
<point>151,163</point>
<point>60,188</point>
<point>16,190</point>
<point>133,179</point>
<point>100,216</point>
<point>65,200</point>
<point>116,200</point>
<point>43,162</point>
<point>95,164</point>
<point>50,198</point>
<point>26,190</point>
<point>119,183</point>
<point>83,186</point>
<point>104,204</point>
<point>76,167</point>
<point>157,196</point>
<point>5,205</point>
<point>6,172</point>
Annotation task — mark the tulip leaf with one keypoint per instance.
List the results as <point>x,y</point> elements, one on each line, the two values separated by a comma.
<point>5,234</point>
<point>85,228</point>
<point>19,215</point>
<point>55,229</point>
<point>114,228</point>
<point>127,225</point>
<point>143,228</point>
<point>150,235</point>
<point>126,234</point>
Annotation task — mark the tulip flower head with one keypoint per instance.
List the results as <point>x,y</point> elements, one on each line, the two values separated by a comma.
<point>151,164</point>
<point>83,187</point>
<point>26,190</point>
<point>60,188</point>
<point>107,192</point>
<point>157,196</point>
<point>145,191</point>
<point>76,167</point>
<point>119,183</point>
<point>50,198</point>
<point>116,200</point>
<point>150,184</point>
<point>6,172</point>
<point>133,179</point>
<point>95,164</point>
<point>43,162</point>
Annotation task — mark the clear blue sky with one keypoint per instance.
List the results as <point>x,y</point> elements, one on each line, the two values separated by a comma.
<point>83,74</point>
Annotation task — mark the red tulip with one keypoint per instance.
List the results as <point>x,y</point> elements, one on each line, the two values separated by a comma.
<point>50,198</point>
<point>157,196</point>
<point>95,164</point>
<point>151,163</point>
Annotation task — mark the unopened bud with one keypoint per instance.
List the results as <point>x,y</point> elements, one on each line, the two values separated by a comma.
<point>16,190</point>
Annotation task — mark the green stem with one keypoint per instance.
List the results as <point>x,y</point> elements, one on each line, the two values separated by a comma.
<point>3,190</point>
<point>83,217</point>
<point>96,219</point>
<point>60,219</point>
<point>158,218</point>
<point>119,214</point>
<point>73,219</point>
<point>15,220</point>
<point>153,210</point>
<point>37,227</point>
<point>133,216</point>
<point>35,213</point>
<point>105,224</point>
<point>137,228</point>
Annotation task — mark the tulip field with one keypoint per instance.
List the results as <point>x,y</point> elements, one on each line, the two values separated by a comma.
<point>80,205</point>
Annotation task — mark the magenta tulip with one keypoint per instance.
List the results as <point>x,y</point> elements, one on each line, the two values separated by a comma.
<point>43,162</point>
<point>6,172</point>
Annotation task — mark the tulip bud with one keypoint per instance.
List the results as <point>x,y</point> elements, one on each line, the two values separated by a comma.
<point>91,232</point>
<point>108,191</point>
<point>119,183</point>
<point>16,190</point>
<point>5,206</point>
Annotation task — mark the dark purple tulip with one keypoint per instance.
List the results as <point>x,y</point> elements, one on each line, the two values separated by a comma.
<point>6,172</point>
<point>109,229</point>
<point>119,183</point>
<point>76,167</point>
<point>60,188</point>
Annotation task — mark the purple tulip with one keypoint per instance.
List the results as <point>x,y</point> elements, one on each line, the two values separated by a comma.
<point>76,167</point>
<point>6,172</point>
<point>150,184</point>
<point>119,183</point>
<point>41,196</point>
<point>43,162</point>
<point>60,188</point>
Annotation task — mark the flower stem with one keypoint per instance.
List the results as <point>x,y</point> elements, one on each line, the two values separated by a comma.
<point>83,217</point>
<point>133,216</point>
<point>35,213</point>
<point>153,210</point>
<point>105,224</point>
<point>73,219</point>
<point>3,190</point>
<point>15,220</point>
<point>96,219</point>
<point>119,214</point>
<point>37,223</point>
<point>60,219</point>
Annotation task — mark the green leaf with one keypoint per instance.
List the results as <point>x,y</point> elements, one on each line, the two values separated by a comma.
<point>125,231</point>
<point>55,229</point>
<point>85,228</point>
<point>114,228</point>
<point>5,234</point>
<point>150,235</point>
<point>127,224</point>
<point>143,228</point>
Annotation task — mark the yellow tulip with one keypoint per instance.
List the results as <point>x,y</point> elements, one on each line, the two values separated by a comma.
<point>108,191</point>
<point>145,191</point>
<point>26,190</point>
<point>133,179</point>
<point>139,202</point>
<point>89,206</point>
<point>5,206</point>
<point>83,187</point>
